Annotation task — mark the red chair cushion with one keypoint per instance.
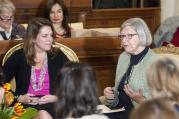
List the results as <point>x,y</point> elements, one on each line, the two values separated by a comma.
<point>175,40</point>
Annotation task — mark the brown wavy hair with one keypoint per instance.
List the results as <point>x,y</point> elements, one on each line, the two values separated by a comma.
<point>76,91</point>
<point>33,29</point>
<point>65,20</point>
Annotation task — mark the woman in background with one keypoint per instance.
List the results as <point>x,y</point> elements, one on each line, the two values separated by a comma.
<point>35,67</point>
<point>57,13</point>
<point>8,29</point>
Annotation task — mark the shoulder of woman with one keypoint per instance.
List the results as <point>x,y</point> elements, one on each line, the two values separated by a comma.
<point>16,57</point>
<point>18,52</point>
<point>152,54</point>
<point>124,56</point>
<point>150,57</point>
<point>57,53</point>
<point>18,26</point>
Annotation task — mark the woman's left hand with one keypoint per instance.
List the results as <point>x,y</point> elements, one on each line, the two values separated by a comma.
<point>136,96</point>
<point>47,99</point>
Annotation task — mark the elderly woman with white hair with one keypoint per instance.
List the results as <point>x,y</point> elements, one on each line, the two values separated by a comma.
<point>8,29</point>
<point>131,84</point>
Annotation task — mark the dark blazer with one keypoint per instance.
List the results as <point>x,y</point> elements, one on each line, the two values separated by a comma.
<point>18,31</point>
<point>17,66</point>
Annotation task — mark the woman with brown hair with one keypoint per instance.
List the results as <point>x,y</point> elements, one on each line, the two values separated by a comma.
<point>57,13</point>
<point>35,66</point>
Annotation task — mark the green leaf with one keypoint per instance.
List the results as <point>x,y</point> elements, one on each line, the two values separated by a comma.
<point>4,116</point>
<point>10,111</point>
<point>29,114</point>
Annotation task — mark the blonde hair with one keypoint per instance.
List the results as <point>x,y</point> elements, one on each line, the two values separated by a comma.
<point>155,109</point>
<point>7,6</point>
<point>163,78</point>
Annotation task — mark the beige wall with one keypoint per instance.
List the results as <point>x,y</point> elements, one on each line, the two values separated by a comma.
<point>169,8</point>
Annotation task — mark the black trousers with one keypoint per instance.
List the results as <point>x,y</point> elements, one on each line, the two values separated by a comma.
<point>49,107</point>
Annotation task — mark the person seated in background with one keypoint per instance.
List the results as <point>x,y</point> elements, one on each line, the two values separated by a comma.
<point>8,29</point>
<point>57,13</point>
<point>155,109</point>
<point>168,32</point>
<point>35,66</point>
<point>163,79</point>
<point>131,86</point>
<point>77,93</point>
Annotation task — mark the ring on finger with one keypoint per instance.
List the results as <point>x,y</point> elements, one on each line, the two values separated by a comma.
<point>30,101</point>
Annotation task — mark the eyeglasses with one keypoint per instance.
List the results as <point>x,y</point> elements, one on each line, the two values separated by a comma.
<point>6,19</point>
<point>128,36</point>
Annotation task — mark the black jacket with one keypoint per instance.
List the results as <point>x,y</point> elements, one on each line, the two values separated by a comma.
<point>18,32</point>
<point>17,66</point>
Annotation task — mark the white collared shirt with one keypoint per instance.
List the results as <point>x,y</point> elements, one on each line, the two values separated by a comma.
<point>8,34</point>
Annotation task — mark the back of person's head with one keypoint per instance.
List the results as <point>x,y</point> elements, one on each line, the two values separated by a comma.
<point>76,91</point>
<point>163,78</point>
<point>155,109</point>
<point>7,6</point>
<point>141,28</point>
<point>33,29</point>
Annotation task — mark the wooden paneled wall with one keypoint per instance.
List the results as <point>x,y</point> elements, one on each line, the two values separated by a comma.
<point>29,9</point>
<point>81,10</point>
<point>101,53</point>
<point>115,17</point>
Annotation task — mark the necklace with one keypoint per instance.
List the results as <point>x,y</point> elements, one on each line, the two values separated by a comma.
<point>37,83</point>
<point>132,68</point>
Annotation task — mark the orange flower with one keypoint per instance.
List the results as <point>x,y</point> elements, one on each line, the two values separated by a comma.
<point>7,87</point>
<point>19,109</point>
<point>9,98</point>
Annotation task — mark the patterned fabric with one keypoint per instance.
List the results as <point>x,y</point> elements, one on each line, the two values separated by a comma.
<point>138,77</point>
<point>17,66</point>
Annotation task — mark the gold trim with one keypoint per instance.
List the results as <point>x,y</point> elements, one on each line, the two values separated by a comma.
<point>71,55</point>
<point>169,49</point>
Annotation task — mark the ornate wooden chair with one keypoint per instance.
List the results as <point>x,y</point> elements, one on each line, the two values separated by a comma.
<point>169,50</point>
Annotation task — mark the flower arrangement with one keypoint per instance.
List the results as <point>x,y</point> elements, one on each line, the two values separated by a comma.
<point>17,111</point>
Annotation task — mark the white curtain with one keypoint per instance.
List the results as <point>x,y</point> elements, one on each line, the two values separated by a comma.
<point>169,8</point>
